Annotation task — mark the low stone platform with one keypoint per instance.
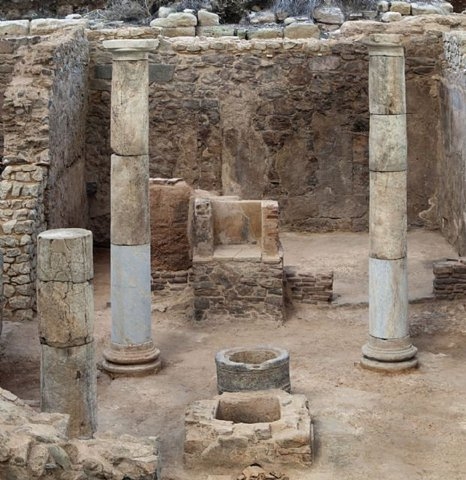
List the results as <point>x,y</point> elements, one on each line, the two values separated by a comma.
<point>233,429</point>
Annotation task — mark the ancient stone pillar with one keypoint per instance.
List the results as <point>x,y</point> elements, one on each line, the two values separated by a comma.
<point>389,347</point>
<point>65,306</point>
<point>132,350</point>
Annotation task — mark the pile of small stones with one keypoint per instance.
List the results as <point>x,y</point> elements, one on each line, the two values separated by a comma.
<point>255,472</point>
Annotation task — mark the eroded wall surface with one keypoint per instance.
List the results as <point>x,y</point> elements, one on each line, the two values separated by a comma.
<point>285,120</point>
<point>14,9</point>
<point>451,191</point>
<point>42,182</point>
<point>279,119</point>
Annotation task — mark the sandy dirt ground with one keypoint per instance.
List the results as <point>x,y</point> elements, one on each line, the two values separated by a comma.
<point>367,425</point>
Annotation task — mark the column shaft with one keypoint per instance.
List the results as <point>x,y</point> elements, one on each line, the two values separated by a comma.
<point>131,350</point>
<point>389,347</point>
<point>65,305</point>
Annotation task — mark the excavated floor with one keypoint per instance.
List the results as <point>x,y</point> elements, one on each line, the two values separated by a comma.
<point>366,424</point>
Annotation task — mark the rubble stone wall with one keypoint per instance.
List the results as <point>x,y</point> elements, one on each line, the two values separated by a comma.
<point>42,182</point>
<point>279,119</point>
<point>8,58</point>
<point>451,190</point>
<point>242,289</point>
<point>14,9</point>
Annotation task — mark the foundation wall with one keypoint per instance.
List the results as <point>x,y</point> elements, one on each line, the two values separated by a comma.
<point>284,120</point>
<point>42,181</point>
<point>242,289</point>
<point>451,190</point>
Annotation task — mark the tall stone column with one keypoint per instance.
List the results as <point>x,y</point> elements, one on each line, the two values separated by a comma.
<point>389,347</point>
<point>65,305</point>
<point>132,350</point>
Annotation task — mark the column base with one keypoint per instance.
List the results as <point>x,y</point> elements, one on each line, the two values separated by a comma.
<point>389,355</point>
<point>142,359</point>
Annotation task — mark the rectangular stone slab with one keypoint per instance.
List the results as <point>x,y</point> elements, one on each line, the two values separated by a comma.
<point>68,384</point>
<point>388,298</point>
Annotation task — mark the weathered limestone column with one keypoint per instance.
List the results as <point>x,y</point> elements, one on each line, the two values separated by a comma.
<point>132,350</point>
<point>65,305</point>
<point>389,347</point>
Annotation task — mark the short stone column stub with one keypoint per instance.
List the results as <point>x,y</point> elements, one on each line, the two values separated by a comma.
<point>132,350</point>
<point>389,347</point>
<point>65,304</point>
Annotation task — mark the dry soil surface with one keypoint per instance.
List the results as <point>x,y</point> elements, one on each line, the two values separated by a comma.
<point>367,425</point>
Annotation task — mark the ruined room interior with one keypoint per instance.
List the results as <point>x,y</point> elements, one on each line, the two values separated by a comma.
<point>232,250</point>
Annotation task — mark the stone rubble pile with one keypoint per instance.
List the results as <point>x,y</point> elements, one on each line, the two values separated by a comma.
<point>36,446</point>
<point>256,472</point>
<point>263,24</point>
<point>253,472</point>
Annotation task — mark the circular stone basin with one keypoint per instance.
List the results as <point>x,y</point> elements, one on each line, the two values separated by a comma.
<point>252,368</point>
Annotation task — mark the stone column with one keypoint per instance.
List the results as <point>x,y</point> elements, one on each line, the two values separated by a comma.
<point>389,347</point>
<point>132,350</point>
<point>65,305</point>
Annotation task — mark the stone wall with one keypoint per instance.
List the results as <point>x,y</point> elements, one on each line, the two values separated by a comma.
<point>279,119</point>
<point>243,289</point>
<point>13,9</point>
<point>42,182</point>
<point>8,58</point>
<point>450,279</point>
<point>451,191</point>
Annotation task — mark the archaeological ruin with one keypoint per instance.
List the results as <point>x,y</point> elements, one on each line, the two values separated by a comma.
<point>232,239</point>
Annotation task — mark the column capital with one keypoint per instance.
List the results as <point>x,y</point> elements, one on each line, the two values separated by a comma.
<point>130,49</point>
<point>385,44</point>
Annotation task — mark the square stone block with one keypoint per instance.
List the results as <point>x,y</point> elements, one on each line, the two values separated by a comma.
<point>238,429</point>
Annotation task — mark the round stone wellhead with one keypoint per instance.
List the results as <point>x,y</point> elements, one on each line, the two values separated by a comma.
<point>252,368</point>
